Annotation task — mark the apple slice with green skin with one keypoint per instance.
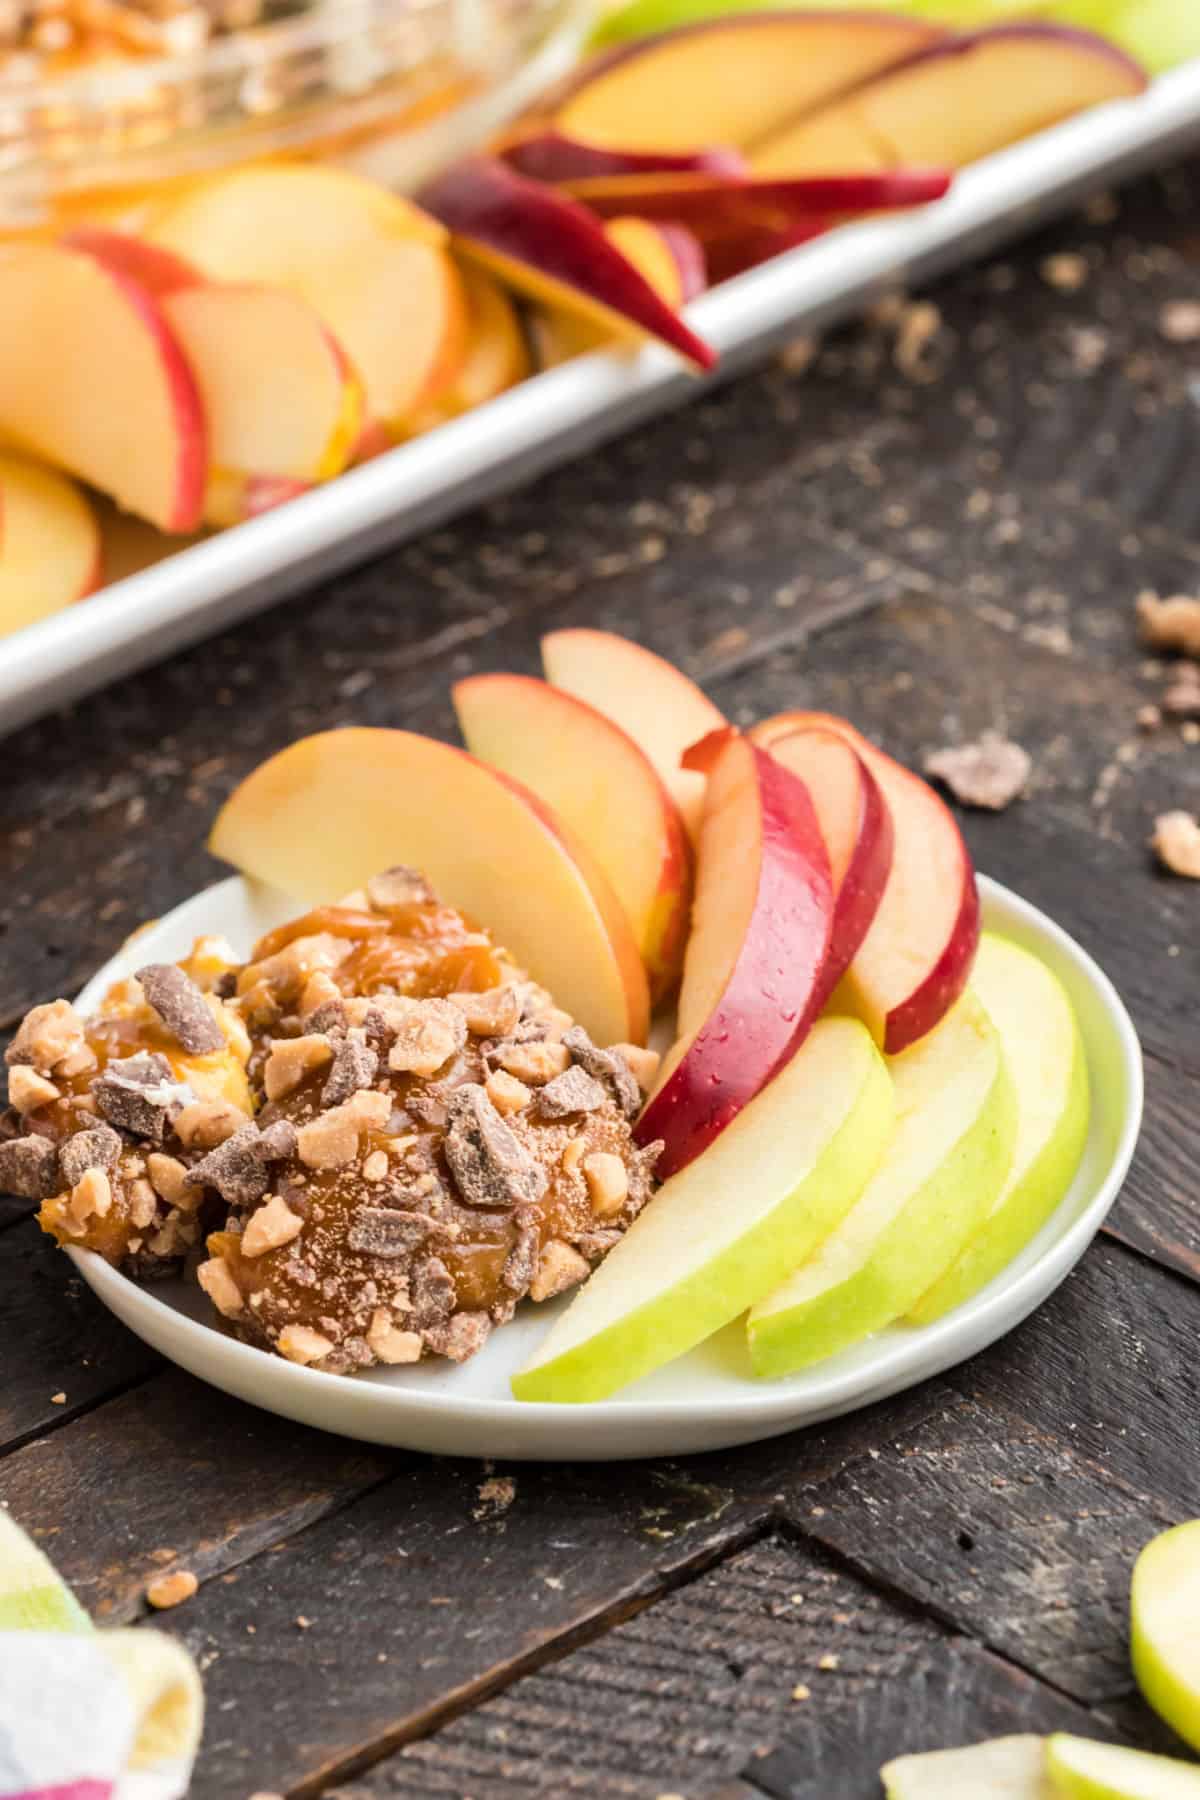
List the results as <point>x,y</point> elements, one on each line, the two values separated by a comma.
<point>716,1236</point>
<point>50,553</point>
<point>593,776</point>
<point>1008,1768</point>
<point>1081,1769</point>
<point>497,359</point>
<point>648,697</point>
<point>1046,1059</point>
<point>1165,1628</point>
<point>373,267</point>
<point>551,156</point>
<point>100,387</point>
<point>323,815</point>
<point>730,81</point>
<point>710,203</point>
<point>550,248</point>
<point>280,397</point>
<point>756,956</point>
<point>960,99</point>
<point>956,1121</point>
<point>916,959</point>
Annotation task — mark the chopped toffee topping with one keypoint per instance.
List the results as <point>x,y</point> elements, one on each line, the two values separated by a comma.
<point>29,1168</point>
<point>377,1231</point>
<point>140,1094</point>
<point>182,1008</point>
<point>235,1168</point>
<point>354,1066</point>
<point>98,1148</point>
<point>574,1091</point>
<point>607,1066</point>
<point>490,1165</point>
<point>400,886</point>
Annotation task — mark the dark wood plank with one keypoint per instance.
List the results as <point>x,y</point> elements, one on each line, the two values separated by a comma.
<point>702,1683</point>
<point>1157,1211</point>
<point>56,1340</point>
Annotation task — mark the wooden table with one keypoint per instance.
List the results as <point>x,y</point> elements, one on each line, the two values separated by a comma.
<point>932,552</point>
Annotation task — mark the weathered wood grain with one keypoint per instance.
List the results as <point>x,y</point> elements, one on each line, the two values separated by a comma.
<point>55,1340</point>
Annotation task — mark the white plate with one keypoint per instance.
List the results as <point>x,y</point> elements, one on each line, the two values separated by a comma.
<point>535,426</point>
<point>705,1400</point>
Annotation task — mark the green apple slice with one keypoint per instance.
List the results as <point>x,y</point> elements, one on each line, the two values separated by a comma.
<point>1007,1768</point>
<point>1084,1770</point>
<point>1046,1060</point>
<point>956,1121</point>
<point>728,1227</point>
<point>1165,1628</point>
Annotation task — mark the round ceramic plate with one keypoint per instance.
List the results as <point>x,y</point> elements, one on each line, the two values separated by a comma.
<point>706,1399</point>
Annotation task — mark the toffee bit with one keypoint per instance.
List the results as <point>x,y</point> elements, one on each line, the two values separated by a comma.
<point>182,1008</point>
<point>990,773</point>
<point>354,1066</point>
<point>1176,843</point>
<point>171,1590</point>
<point>234,1168</point>
<point>607,1066</point>
<point>432,1293</point>
<point>1170,624</point>
<point>521,1264</point>
<point>399,886</point>
<point>378,1231</point>
<point>1181,698</point>
<point>574,1091</point>
<point>490,1165</point>
<point>29,1168</point>
<point>1179,321</point>
<point>97,1148</point>
<point>140,1094</point>
<point>461,1337</point>
<point>276,1142</point>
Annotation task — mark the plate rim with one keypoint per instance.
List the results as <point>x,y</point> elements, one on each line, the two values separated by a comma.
<point>980,1321</point>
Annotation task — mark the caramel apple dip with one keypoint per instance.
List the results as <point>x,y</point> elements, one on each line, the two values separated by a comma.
<point>368,1144</point>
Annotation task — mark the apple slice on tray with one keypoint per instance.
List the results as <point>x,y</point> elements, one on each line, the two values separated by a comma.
<point>551,249</point>
<point>719,203</point>
<point>649,698</point>
<point>948,1159</point>
<point>958,99</point>
<point>717,1236</point>
<point>93,381</point>
<point>916,958</point>
<point>498,356</point>
<point>552,156</point>
<point>595,778</point>
<point>324,814</point>
<point>282,403</point>
<point>669,256</point>
<point>755,960</point>
<point>1046,1059</point>
<point>372,266</point>
<point>50,548</point>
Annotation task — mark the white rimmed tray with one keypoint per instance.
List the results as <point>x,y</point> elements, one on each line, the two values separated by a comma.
<point>201,589</point>
<point>707,1399</point>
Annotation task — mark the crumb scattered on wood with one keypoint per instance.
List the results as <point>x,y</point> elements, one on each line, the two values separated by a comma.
<point>302,1623</point>
<point>1181,698</point>
<point>171,1590</point>
<point>1189,731</point>
<point>1176,843</point>
<point>828,1661</point>
<point>918,325</point>
<point>1149,717</point>
<point>1067,271</point>
<point>990,773</point>
<point>1170,624</point>
<point>798,354</point>
<point>1179,321</point>
<point>801,1692</point>
<point>59,1399</point>
<point>496,1495</point>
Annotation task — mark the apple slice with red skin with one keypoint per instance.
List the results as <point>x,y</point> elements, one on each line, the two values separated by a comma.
<point>669,256</point>
<point>497,359</point>
<point>729,81</point>
<point>733,255</point>
<point>281,401</point>
<point>916,957</point>
<point>752,973</point>
<point>960,99</point>
<point>550,248</point>
<point>707,201</point>
<point>553,157</point>
<point>93,381</point>
<point>649,698</point>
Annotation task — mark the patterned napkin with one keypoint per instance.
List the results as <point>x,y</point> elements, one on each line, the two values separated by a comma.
<point>86,1715</point>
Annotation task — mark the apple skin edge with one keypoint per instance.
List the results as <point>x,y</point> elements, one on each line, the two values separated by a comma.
<point>553,156</point>
<point>794,908</point>
<point>483,201</point>
<point>943,984</point>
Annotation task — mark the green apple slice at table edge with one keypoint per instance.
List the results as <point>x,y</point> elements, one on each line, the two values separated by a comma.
<point>1046,1060</point>
<point>949,1156</point>
<point>727,1228</point>
<point>1081,1769</point>
<point>1007,1768</point>
<point>1165,1628</point>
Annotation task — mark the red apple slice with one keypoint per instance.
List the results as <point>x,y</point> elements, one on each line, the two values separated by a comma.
<point>497,359</point>
<point>649,698</point>
<point>760,935</point>
<point>916,957</point>
<point>733,255</point>
<point>321,816</point>
<point>50,552</point>
<point>373,267</point>
<point>670,257</point>
<point>595,778</point>
<point>280,397</point>
<point>550,156</point>
<point>93,381</point>
<point>551,249</point>
<point>706,202</point>
<point>961,99</point>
